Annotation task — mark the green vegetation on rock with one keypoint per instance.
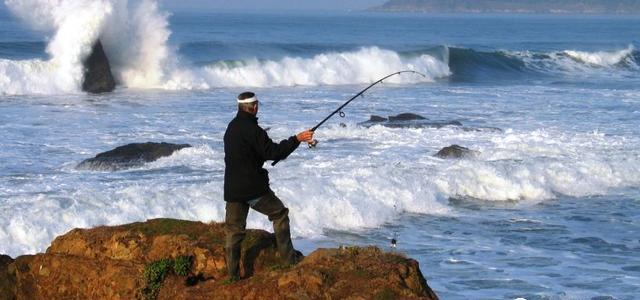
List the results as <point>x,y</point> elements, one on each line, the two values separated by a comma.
<point>182,265</point>
<point>155,273</point>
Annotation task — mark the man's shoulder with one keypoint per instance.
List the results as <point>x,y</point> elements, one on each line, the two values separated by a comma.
<point>242,125</point>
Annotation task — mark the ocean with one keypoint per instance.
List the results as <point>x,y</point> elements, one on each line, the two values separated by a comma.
<point>549,208</point>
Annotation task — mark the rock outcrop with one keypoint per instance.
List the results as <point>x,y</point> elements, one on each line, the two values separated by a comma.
<point>7,278</point>
<point>455,151</point>
<point>97,71</point>
<point>130,155</point>
<point>174,259</point>
<point>407,120</point>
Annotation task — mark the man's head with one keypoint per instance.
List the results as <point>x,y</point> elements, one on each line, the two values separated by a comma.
<point>248,102</point>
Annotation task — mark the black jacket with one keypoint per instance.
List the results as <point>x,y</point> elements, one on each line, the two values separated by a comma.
<point>246,148</point>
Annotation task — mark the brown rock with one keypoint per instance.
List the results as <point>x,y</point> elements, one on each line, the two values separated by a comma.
<point>76,277</point>
<point>7,278</point>
<point>109,263</point>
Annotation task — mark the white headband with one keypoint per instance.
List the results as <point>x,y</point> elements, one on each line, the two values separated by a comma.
<point>248,100</point>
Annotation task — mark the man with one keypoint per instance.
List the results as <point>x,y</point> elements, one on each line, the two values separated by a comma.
<point>246,184</point>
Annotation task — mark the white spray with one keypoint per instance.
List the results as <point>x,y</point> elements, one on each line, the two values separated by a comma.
<point>134,36</point>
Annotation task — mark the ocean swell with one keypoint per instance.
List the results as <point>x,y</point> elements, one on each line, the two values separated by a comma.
<point>472,65</point>
<point>135,36</point>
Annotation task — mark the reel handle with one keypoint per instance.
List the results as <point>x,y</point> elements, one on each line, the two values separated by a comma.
<point>312,144</point>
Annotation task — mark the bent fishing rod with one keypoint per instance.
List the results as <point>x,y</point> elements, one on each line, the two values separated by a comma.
<point>339,109</point>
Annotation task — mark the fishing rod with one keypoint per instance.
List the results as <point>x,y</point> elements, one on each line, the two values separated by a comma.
<point>339,109</point>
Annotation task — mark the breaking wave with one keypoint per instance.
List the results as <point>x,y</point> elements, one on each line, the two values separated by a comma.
<point>470,65</point>
<point>134,34</point>
<point>361,66</point>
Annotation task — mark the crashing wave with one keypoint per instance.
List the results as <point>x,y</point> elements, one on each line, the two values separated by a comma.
<point>134,35</point>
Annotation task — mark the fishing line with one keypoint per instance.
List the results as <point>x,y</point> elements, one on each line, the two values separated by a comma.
<point>394,239</point>
<point>341,113</point>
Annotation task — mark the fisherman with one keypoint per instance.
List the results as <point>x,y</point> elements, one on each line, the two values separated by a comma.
<point>246,183</point>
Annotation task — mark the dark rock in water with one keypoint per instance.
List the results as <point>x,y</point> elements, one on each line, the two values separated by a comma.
<point>7,278</point>
<point>421,124</point>
<point>130,155</point>
<point>407,120</point>
<point>482,129</point>
<point>406,117</point>
<point>97,71</point>
<point>455,151</point>
<point>375,118</point>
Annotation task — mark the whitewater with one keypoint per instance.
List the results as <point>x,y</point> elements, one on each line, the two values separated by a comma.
<point>547,209</point>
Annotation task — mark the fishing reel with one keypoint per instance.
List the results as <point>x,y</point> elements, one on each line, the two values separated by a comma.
<point>312,144</point>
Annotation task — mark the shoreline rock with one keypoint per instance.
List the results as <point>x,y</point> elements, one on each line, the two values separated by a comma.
<point>130,155</point>
<point>407,120</point>
<point>118,261</point>
<point>456,151</point>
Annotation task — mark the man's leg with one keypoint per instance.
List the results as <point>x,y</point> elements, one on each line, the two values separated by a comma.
<point>235,225</point>
<point>271,206</point>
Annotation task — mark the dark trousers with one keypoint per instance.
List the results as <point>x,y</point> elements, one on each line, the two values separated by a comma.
<point>236,223</point>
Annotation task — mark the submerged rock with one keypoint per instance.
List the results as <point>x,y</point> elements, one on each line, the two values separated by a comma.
<point>406,117</point>
<point>118,262</point>
<point>130,155</point>
<point>375,118</point>
<point>455,151</point>
<point>97,71</point>
<point>407,120</point>
<point>482,129</point>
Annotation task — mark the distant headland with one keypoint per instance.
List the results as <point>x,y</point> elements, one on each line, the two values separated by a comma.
<point>513,6</point>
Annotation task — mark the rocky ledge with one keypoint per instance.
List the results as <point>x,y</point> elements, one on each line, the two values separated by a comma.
<point>175,259</point>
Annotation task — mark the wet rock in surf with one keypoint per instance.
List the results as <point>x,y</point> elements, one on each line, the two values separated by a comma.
<point>131,155</point>
<point>455,151</point>
<point>407,120</point>
<point>482,129</point>
<point>375,118</point>
<point>97,72</point>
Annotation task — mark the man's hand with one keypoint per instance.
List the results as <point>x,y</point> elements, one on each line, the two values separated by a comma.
<point>305,136</point>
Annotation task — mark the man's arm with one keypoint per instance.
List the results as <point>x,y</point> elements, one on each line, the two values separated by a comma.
<point>279,151</point>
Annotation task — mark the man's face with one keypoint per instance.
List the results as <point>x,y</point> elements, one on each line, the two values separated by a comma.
<point>255,108</point>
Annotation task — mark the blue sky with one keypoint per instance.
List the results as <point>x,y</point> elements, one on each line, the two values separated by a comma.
<point>273,4</point>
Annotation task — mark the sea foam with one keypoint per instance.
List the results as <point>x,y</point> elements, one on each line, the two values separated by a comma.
<point>380,178</point>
